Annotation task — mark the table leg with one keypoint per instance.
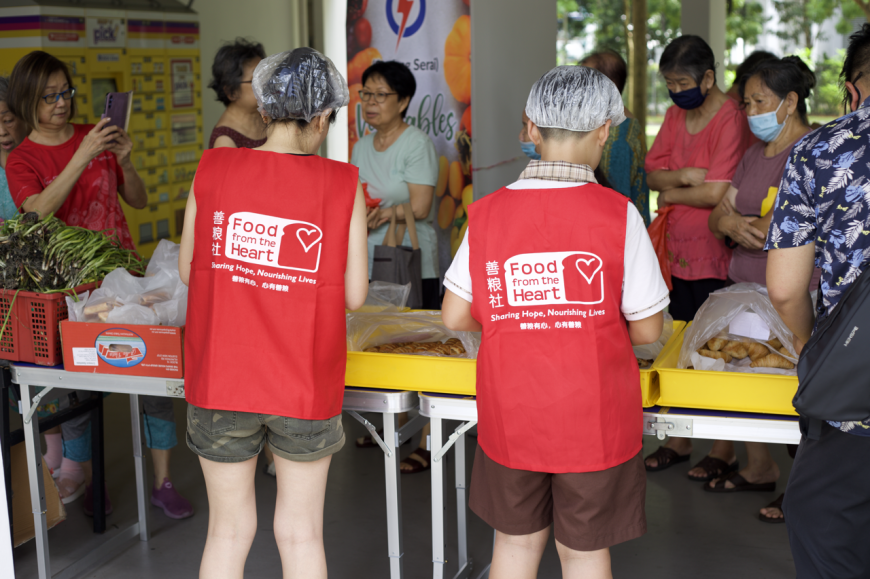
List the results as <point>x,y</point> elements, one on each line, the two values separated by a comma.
<point>461,509</point>
<point>142,485</point>
<point>437,469</point>
<point>98,482</point>
<point>394,498</point>
<point>37,485</point>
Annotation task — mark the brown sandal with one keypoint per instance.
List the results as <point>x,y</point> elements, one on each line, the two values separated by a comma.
<point>714,467</point>
<point>416,465</point>
<point>740,485</point>
<point>666,458</point>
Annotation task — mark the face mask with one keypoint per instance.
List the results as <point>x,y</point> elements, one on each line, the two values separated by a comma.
<point>688,99</point>
<point>765,127</point>
<point>529,150</point>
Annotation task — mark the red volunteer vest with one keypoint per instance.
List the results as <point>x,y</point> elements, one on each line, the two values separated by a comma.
<point>266,328</point>
<point>557,381</point>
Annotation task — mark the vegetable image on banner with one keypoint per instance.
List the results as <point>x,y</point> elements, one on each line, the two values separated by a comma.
<point>433,39</point>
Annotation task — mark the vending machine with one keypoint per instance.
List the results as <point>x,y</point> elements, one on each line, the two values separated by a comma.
<point>154,54</point>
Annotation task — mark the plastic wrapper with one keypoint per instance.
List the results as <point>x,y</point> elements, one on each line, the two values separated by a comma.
<point>576,98</point>
<point>649,352</point>
<point>384,296</point>
<point>365,330</point>
<point>713,320</point>
<point>298,84</point>
<point>159,298</point>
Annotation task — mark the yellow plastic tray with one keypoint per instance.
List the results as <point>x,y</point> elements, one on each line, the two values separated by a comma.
<point>409,372</point>
<point>649,379</point>
<point>730,391</point>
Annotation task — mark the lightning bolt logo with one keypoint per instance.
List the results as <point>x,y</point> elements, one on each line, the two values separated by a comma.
<point>404,8</point>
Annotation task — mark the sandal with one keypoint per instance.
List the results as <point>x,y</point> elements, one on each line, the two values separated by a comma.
<point>715,468</point>
<point>777,504</point>
<point>666,458</point>
<point>417,465</point>
<point>740,485</point>
<point>367,441</point>
<point>70,489</point>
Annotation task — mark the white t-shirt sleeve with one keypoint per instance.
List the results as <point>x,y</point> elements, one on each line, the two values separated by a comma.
<point>644,291</point>
<point>458,277</point>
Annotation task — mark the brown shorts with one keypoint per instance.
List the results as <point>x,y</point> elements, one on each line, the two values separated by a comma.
<point>591,510</point>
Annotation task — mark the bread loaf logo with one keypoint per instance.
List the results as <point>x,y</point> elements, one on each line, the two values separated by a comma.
<point>120,347</point>
<point>564,277</point>
<point>273,241</point>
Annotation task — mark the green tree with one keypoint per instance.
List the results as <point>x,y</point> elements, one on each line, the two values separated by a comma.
<point>797,18</point>
<point>746,20</point>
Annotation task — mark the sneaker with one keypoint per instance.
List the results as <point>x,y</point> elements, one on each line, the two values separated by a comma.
<point>173,504</point>
<point>269,468</point>
<point>88,503</point>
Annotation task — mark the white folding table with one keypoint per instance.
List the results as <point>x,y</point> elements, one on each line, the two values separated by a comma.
<point>386,402</point>
<point>657,421</point>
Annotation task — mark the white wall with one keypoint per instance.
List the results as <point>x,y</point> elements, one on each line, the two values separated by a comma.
<point>278,24</point>
<point>513,43</point>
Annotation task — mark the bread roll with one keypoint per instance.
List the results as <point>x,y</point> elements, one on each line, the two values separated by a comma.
<point>717,355</point>
<point>757,351</point>
<point>775,344</point>
<point>772,361</point>
<point>737,349</point>
<point>716,344</point>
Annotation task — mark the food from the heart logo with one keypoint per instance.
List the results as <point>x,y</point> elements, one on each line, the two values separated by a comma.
<point>563,277</point>
<point>273,241</point>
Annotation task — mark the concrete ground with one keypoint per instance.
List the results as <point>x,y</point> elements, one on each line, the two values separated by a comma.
<point>690,532</point>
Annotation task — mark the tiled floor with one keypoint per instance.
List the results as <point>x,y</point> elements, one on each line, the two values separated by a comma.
<point>691,533</point>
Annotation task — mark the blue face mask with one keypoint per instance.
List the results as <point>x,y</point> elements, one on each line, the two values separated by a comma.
<point>688,99</point>
<point>765,127</point>
<point>529,150</point>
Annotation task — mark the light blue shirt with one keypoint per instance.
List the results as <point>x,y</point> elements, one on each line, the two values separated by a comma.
<point>8,209</point>
<point>411,159</point>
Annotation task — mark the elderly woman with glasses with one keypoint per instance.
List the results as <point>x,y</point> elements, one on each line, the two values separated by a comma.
<point>398,164</point>
<point>77,172</point>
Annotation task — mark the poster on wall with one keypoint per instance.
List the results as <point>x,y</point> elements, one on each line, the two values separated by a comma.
<point>433,38</point>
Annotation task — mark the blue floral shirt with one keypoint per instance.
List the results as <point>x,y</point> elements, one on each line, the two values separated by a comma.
<point>824,197</point>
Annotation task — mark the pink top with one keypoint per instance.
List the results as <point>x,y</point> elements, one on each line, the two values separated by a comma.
<point>695,253</point>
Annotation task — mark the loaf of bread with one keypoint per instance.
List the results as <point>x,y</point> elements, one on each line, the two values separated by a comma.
<point>718,355</point>
<point>775,344</point>
<point>757,351</point>
<point>737,349</point>
<point>716,344</point>
<point>772,361</point>
<point>452,347</point>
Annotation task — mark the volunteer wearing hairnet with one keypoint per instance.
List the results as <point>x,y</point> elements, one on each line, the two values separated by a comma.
<point>274,250</point>
<point>399,165</point>
<point>560,276</point>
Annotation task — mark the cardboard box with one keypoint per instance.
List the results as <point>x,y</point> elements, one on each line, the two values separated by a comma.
<point>22,512</point>
<point>155,351</point>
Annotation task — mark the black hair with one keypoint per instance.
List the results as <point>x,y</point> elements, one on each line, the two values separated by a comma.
<point>690,55</point>
<point>398,76</point>
<point>857,59</point>
<point>782,76</point>
<point>751,61</point>
<point>611,64</point>
<point>229,64</point>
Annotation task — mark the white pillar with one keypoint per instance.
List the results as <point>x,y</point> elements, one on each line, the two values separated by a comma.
<point>335,47</point>
<point>706,18</point>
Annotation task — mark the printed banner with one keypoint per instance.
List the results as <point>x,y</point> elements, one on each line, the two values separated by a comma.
<point>433,38</point>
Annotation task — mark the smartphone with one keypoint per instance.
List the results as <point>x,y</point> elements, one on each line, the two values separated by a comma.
<point>118,108</point>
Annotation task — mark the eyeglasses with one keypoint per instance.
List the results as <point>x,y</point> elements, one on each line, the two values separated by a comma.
<point>380,97</point>
<point>66,95</point>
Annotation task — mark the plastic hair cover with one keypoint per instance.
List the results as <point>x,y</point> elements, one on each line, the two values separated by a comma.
<point>298,84</point>
<point>576,98</point>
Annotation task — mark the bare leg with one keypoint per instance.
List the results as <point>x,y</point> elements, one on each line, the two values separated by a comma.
<point>761,468</point>
<point>518,556</point>
<point>232,517</point>
<point>299,517</point>
<point>160,458</point>
<point>584,564</point>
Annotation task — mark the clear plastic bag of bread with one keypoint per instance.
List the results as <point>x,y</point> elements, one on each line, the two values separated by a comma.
<point>384,296</point>
<point>711,344</point>
<point>647,353</point>
<point>421,333</point>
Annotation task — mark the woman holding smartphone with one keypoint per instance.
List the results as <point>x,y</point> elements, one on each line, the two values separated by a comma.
<point>77,172</point>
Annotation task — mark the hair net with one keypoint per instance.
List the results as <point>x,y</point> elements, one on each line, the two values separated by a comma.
<point>298,84</point>
<point>576,98</point>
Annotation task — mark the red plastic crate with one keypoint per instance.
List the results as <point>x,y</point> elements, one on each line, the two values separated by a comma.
<point>33,331</point>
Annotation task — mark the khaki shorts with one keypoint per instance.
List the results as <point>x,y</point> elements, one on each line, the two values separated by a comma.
<point>230,436</point>
<point>590,510</point>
